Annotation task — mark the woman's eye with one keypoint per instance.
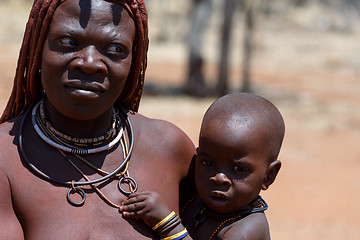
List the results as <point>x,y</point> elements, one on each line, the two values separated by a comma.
<point>207,163</point>
<point>115,49</point>
<point>68,41</point>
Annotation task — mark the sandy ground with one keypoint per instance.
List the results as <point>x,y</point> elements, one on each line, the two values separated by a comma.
<point>313,78</point>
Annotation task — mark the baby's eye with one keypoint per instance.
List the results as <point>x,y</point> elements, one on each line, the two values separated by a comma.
<point>240,168</point>
<point>207,163</point>
<point>68,41</point>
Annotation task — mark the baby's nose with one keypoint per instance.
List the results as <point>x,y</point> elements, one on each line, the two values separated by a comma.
<point>220,179</point>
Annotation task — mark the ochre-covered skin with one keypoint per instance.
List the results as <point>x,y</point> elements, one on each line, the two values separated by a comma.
<point>86,59</point>
<point>240,139</point>
<point>27,87</point>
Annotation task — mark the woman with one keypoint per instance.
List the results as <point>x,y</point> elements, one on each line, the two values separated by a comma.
<point>72,145</point>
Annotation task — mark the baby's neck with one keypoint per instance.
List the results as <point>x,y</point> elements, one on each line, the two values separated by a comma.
<point>257,205</point>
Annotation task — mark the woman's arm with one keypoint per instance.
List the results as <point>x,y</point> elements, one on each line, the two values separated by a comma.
<point>10,228</point>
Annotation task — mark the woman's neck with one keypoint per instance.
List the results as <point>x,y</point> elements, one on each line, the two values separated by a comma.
<point>75,128</point>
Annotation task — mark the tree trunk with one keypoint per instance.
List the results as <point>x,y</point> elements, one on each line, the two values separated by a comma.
<point>229,10</point>
<point>247,45</point>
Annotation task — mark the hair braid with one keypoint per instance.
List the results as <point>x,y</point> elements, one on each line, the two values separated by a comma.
<point>27,86</point>
<point>130,98</point>
<point>38,40</point>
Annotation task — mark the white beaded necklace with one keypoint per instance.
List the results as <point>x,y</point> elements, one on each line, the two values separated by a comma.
<point>72,149</point>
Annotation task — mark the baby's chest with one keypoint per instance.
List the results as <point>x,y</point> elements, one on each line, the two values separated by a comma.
<point>202,226</point>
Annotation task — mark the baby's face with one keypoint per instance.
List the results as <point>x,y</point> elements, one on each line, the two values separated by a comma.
<point>231,166</point>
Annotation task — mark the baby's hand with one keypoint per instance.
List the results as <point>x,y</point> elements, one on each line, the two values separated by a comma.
<point>147,206</point>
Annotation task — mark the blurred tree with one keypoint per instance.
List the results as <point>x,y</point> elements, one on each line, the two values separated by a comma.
<point>229,9</point>
<point>349,9</point>
<point>249,7</point>
<point>248,45</point>
<point>201,13</point>
<point>202,10</point>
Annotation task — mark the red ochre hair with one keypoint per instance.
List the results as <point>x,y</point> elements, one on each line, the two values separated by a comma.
<point>27,87</point>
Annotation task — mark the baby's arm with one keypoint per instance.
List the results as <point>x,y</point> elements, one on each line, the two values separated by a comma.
<point>149,207</point>
<point>252,227</point>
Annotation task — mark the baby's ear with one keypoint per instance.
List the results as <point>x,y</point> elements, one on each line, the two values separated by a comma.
<point>271,174</point>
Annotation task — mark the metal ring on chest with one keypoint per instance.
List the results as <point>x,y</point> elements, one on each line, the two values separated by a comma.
<point>69,183</point>
<point>131,182</point>
<point>82,194</point>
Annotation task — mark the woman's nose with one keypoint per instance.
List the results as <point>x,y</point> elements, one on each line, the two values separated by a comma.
<point>89,61</point>
<point>220,179</point>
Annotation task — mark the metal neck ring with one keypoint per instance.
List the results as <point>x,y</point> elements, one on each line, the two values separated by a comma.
<point>130,181</point>
<point>76,190</point>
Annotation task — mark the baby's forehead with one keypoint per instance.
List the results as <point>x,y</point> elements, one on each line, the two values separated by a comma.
<point>228,125</point>
<point>231,118</point>
<point>239,110</point>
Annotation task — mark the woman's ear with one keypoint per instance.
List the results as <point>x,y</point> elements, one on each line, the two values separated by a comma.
<point>271,174</point>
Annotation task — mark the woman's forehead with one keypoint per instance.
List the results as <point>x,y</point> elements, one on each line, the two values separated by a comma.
<point>83,10</point>
<point>87,7</point>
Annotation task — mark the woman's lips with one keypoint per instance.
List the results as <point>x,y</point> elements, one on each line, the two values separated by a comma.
<point>84,89</point>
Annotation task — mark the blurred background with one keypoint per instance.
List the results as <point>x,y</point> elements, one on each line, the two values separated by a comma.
<point>302,55</point>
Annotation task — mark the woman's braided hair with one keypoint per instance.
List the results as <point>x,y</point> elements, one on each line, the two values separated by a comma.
<point>27,87</point>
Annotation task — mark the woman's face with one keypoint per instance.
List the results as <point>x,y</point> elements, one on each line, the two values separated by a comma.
<point>87,57</point>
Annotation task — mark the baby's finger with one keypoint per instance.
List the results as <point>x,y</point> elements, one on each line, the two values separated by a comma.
<point>134,199</point>
<point>135,211</point>
<point>133,215</point>
<point>133,207</point>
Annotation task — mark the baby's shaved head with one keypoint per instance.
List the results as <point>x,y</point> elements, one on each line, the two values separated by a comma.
<point>236,111</point>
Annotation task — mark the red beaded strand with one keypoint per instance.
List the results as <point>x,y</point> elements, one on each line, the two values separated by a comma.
<point>221,224</point>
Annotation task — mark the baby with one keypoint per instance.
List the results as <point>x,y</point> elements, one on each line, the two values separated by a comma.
<point>240,139</point>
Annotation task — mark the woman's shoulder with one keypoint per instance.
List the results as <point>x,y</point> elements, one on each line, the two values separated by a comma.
<point>153,123</point>
<point>166,139</point>
<point>161,130</point>
<point>9,129</point>
<point>9,138</point>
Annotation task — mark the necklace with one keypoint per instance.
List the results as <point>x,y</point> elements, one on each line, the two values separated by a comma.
<point>79,142</point>
<point>74,185</point>
<point>213,234</point>
<point>257,205</point>
<point>65,147</point>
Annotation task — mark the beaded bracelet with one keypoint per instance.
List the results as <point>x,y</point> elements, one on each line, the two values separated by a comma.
<point>177,236</point>
<point>164,220</point>
<point>168,226</point>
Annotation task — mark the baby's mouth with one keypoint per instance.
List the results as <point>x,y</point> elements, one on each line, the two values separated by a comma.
<point>219,197</point>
